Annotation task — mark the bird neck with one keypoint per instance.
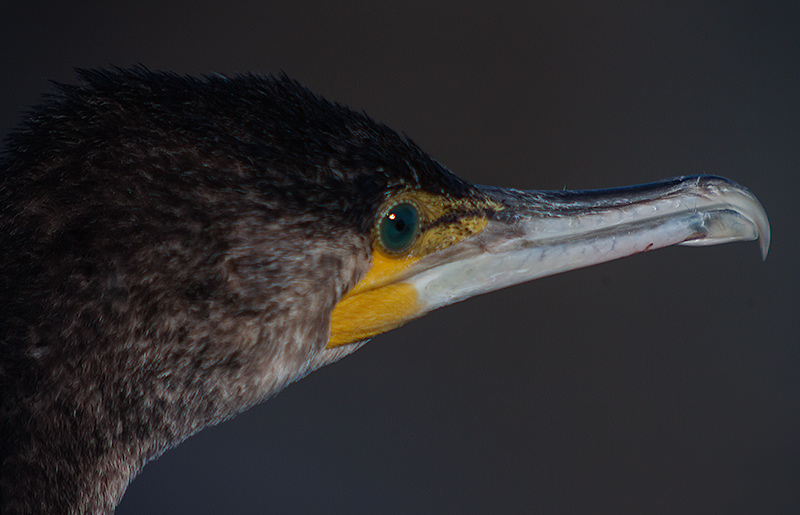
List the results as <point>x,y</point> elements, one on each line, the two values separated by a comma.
<point>79,425</point>
<point>66,463</point>
<point>75,436</point>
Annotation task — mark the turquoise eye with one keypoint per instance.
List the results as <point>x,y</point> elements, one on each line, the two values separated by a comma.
<point>398,228</point>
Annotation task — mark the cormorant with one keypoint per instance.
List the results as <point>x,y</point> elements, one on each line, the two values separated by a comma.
<point>176,250</point>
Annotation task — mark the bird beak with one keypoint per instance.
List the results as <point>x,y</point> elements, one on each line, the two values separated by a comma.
<point>541,233</point>
<point>533,234</point>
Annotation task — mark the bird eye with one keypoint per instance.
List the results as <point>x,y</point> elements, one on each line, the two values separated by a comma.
<point>398,228</point>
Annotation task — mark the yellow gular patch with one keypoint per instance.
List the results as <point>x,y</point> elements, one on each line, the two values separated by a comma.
<point>374,305</point>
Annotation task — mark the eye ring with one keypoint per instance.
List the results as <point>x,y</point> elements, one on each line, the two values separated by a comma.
<point>398,227</point>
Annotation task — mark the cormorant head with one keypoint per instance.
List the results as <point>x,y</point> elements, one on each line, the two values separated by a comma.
<point>177,249</point>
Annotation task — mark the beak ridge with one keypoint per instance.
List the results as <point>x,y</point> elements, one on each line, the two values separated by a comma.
<point>540,233</point>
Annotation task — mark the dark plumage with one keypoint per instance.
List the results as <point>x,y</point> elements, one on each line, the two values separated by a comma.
<point>175,250</point>
<point>172,250</point>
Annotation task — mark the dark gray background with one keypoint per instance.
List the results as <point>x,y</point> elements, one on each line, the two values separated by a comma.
<point>663,383</point>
